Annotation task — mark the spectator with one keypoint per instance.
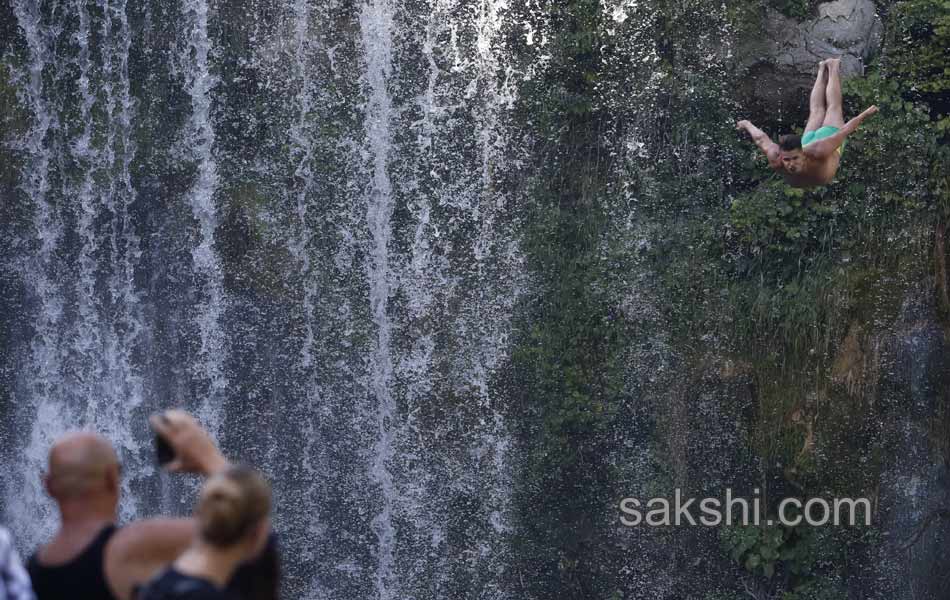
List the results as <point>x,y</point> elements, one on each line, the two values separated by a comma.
<point>89,557</point>
<point>14,581</point>
<point>233,526</point>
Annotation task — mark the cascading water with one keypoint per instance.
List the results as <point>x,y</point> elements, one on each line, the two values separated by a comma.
<point>333,300</point>
<point>79,372</point>
<point>200,137</point>
<point>44,349</point>
<point>376,29</point>
<point>460,274</point>
<point>451,168</point>
<point>302,154</point>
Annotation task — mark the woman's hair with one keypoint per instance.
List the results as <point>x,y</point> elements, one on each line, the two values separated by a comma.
<point>231,504</point>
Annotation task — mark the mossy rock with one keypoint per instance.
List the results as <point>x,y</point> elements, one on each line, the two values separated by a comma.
<point>254,255</point>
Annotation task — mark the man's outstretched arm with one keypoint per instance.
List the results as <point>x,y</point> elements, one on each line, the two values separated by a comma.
<point>764,142</point>
<point>824,147</point>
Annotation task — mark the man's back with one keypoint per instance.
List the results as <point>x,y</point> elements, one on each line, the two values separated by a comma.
<point>85,571</point>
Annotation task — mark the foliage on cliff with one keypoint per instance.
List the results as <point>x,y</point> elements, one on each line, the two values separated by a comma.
<point>562,373</point>
<point>783,281</point>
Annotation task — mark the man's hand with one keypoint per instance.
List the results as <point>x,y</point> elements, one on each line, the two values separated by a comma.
<point>853,123</point>
<point>764,142</point>
<point>195,451</point>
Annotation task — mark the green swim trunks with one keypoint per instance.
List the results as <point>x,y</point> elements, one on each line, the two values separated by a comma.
<point>820,134</point>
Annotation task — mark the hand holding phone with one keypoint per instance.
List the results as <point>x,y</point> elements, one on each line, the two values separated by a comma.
<point>164,453</point>
<point>189,447</point>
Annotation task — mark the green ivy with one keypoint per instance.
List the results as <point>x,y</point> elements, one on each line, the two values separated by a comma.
<point>794,563</point>
<point>918,54</point>
<point>564,367</point>
<point>797,9</point>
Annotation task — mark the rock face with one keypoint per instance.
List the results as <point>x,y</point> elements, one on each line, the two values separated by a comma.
<point>777,69</point>
<point>902,371</point>
<point>914,489</point>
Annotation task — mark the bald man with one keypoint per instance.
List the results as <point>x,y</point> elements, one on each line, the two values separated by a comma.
<point>89,557</point>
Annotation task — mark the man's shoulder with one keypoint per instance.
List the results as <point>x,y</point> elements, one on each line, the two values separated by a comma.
<point>822,170</point>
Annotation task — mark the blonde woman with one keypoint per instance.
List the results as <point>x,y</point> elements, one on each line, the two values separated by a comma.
<point>233,526</point>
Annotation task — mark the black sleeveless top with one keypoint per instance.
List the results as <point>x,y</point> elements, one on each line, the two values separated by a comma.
<point>173,585</point>
<point>83,577</point>
<point>255,580</point>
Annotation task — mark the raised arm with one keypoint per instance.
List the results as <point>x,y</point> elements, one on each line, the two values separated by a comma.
<point>824,147</point>
<point>764,142</point>
<point>139,550</point>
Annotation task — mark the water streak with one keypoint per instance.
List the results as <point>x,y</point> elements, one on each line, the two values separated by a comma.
<point>87,312</point>
<point>376,25</point>
<point>302,140</point>
<point>199,83</point>
<point>41,387</point>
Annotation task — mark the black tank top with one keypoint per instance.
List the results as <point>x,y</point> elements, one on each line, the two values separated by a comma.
<point>83,577</point>
<point>172,585</point>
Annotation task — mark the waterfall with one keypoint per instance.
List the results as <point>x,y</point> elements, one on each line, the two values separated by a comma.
<point>458,257</point>
<point>300,246</point>
<point>45,350</point>
<point>371,284</point>
<point>109,316</point>
<point>431,266</point>
<point>125,243</point>
<point>79,372</point>
<point>200,135</point>
<point>302,150</point>
<point>376,30</point>
<point>122,304</point>
<point>86,340</point>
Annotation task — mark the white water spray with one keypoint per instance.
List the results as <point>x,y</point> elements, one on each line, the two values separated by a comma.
<point>199,83</point>
<point>79,372</point>
<point>376,25</point>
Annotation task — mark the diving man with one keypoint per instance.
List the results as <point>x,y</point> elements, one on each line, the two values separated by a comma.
<point>812,159</point>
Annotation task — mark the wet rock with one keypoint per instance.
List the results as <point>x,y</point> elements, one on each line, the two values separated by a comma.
<point>856,366</point>
<point>914,490</point>
<point>778,67</point>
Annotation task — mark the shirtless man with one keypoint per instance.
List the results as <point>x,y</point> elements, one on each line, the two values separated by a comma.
<point>812,159</point>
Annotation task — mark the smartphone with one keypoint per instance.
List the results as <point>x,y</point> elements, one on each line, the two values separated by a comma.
<point>163,450</point>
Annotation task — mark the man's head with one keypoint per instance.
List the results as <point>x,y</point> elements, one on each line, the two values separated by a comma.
<point>793,159</point>
<point>83,470</point>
